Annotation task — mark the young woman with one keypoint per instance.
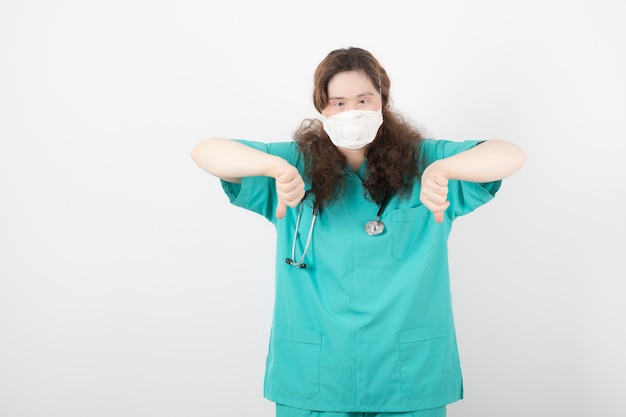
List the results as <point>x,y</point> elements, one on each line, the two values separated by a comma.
<point>363,206</point>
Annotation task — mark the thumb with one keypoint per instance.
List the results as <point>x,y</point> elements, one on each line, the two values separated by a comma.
<point>439,216</point>
<point>281,209</point>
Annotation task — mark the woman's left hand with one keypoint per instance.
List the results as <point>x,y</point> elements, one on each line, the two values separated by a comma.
<point>434,191</point>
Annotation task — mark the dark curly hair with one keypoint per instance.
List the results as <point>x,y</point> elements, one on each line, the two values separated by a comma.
<point>392,156</point>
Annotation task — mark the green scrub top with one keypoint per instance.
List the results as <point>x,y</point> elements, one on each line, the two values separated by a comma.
<point>367,326</point>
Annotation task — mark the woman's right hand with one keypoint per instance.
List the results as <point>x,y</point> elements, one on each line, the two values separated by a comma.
<point>289,186</point>
<point>232,161</point>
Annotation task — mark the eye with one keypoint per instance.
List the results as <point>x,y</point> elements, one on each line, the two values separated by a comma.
<point>364,101</point>
<point>339,104</point>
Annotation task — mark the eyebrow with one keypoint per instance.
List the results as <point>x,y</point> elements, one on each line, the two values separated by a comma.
<point>359,96</point>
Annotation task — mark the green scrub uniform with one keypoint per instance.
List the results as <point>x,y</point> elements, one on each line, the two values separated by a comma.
<point>367,326</point>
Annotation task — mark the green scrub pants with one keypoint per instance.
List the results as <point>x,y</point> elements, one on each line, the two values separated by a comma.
<point>284,411</point>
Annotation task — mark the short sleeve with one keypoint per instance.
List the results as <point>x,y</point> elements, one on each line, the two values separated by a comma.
<point>464,196</point>
<point>258,194</point>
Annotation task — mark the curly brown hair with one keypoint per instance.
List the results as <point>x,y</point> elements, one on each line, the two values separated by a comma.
<point>392,156</point>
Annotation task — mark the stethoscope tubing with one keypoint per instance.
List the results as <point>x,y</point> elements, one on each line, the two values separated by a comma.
<point>291,261</point>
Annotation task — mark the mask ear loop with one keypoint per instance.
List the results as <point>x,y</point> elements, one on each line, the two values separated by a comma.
<point>380,92</point>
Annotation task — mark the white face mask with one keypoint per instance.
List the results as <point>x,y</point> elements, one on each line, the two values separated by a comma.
<point>353,129</point>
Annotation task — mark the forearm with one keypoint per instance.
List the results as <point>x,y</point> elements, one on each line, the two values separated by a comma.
<point>231,160</point>
<point>490,161</point>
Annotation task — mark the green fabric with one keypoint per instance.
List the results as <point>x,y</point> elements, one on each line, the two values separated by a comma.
<point>368,325</point>
<point>284,411</point>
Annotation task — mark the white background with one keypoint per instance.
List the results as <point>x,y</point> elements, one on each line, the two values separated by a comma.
<point>129,286</point>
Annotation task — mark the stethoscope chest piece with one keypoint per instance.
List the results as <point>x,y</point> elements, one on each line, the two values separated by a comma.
<point>374,227</point>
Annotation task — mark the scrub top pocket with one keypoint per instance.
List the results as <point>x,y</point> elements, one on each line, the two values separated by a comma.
<point>412,235</point>
<point>423,355</point>
<point>294,362</point>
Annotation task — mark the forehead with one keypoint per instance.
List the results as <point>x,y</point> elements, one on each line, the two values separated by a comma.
<point>349,84</point>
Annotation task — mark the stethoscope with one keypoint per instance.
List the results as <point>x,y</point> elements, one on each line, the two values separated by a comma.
<point>300,263</point>
<point>372,228</point>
